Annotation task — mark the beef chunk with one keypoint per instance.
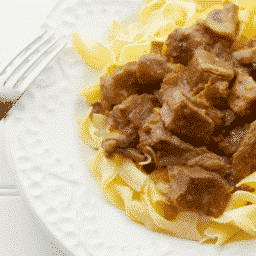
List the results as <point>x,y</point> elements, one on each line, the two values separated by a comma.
<point>217,117</point>
<point>100,107</point>
<point>154,134</point>
<point>167,90</point>
<point>175,70</point>
<point>198,190</point>
<point>204,61</point>
<point>125,119</point>
<point>214,163</point>
<point>215,94</point>
<point>181,43</point>
<point>123,83</point>
<point>135,109</point>
<point>206,78</point>
<point>222,50</point>
<point>179,115</point>
<point>151,70</point>
<point>171,80</point>
<point>202,157</point>
<point>245,56</point>
<point>166,146</point>
<point>178,46</point>
<point>142,109</point>
<point>231,143</point>
<point>243,94</point>
<point>244,160</point>
<point>118,116</point>
<point>201,37</point>
<point>224,22</point>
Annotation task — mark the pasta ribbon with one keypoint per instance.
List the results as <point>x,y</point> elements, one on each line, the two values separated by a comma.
<point>115,30</point>
<point>249,25</point>
<point>149,9</point>
<point>133,52</point>
<point>92,94</point>
<point>94,53</point>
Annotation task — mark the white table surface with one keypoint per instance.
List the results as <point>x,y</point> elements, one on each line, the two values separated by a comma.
<point>21,232</point>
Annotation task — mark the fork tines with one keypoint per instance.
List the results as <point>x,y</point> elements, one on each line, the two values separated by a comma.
<point>26,66</point>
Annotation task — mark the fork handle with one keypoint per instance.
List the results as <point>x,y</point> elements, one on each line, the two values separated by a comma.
<point>5,106</point>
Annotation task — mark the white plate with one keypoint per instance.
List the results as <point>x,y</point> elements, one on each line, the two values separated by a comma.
<point>50,159</point>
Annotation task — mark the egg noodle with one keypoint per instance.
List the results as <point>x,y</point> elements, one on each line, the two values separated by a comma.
<point>121,181</point>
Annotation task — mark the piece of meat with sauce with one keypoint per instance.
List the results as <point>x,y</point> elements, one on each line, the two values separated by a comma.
<point>118,117</point>
<point>206,78</point>
<point>142,109</point>
<point>165,146</point>
<point>182,117</point>
<point>181,43</point>
<point>198,190</point>
<point>243,94</point>
<point>214,163</point>
<point>124,121</point>
<point>179,49</point>
<point>204,61</point>
<point>217,116</point>
<point>214,94</point>
<point>121,84</point>
<point>151,69</point>
<point>100,107</point>
<point>172,77</point>
<point>172,80</point>
<point>246,54</point>
<point>222,50</point>
<point>244,160</point>
<point>230,144</point>
<point>135,109</point>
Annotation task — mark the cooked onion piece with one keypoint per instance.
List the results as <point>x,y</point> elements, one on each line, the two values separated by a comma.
<point>148,160</point>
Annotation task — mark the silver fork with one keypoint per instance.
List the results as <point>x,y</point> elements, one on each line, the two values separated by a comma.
<point>21,71</point>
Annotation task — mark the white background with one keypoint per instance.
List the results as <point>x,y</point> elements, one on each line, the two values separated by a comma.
<point>20,230</point>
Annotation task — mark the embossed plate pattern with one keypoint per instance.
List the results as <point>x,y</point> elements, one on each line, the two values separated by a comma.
<point>51,160</point>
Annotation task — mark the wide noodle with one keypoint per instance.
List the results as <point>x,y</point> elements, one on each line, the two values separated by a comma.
<point>124,184</point>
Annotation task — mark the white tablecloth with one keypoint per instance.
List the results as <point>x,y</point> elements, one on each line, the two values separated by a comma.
<point>21,233</point>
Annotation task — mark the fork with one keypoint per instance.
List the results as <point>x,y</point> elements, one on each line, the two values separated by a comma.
<point>16,77</point>
<point>21,71</point>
